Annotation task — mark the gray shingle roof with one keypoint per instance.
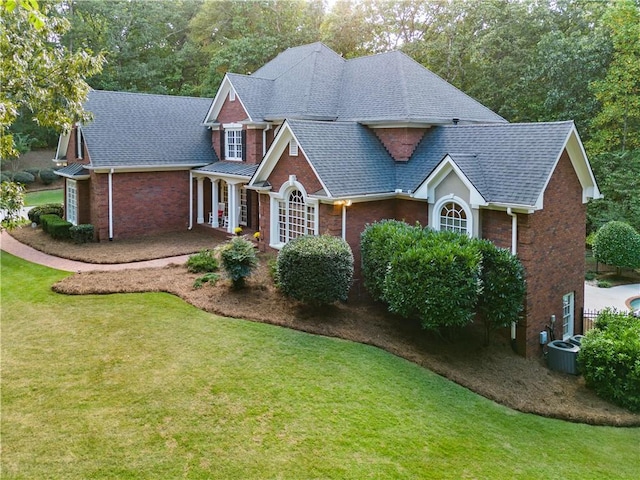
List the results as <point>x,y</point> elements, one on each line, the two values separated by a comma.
<point>506,163</point>
<point>314,82</point>
<point>348,157</point>
<point>230,168</point>
<point>147,130</point>
<point>73,170</point>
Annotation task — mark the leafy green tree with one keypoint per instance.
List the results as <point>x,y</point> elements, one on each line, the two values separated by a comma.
<point>617,244</point>
<point>617,125</point>
<point>37,73</point>
<point>11,203</point>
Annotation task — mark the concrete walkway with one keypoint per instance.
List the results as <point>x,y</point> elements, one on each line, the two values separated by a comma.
<point>14,247</point>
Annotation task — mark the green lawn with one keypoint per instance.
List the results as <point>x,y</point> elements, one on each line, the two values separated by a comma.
<point>32,199</point>
<point>146,386</point>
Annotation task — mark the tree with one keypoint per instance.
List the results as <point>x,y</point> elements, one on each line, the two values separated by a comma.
<point>617,125</point>
<point>617,244</point>
<point>37,73</point>
<point>11,203</point>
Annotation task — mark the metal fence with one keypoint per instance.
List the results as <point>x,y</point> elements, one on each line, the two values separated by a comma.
<point>588,317</point>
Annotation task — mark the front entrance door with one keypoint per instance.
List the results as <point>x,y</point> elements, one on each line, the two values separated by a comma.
<point>567,315</point>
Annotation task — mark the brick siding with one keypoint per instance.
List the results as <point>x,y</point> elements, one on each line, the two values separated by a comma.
<point>400,142</point>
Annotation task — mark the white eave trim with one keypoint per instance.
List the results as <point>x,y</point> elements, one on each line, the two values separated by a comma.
<point>204,173</point>
<point>142,168</point>
<point>218,101</point>
<point>72,177</point>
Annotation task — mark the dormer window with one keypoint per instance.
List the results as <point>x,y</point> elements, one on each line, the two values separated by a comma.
<point>233,142</point>
<point>453,218</point>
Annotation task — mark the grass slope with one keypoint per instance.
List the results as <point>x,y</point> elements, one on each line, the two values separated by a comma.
<point>32,199</point>
<point>146,386</point>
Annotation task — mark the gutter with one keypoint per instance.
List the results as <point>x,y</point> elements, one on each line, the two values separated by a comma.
<point>111,205</point>
<point>190,200</point>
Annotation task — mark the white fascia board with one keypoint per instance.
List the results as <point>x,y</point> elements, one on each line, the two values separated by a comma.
<point>368,197</point>
<point>72,177</point>
<point>582,168</point>
<point>224,176</point>
<point>141,168</point>
<point>277,148</point>
<point>426,190</point>
<point>218,101</point>
<point>63,145</point>
<point>516,208</point>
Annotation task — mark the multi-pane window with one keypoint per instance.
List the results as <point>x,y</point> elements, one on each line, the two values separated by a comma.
<point>233,144</point>
<point>295,217</point>
<point>72,202</point>
<point>453,218</point>
<point>567,315</point>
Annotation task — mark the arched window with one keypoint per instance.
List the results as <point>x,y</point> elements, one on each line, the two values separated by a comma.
<point>295,217</point>
<point>453,217</point>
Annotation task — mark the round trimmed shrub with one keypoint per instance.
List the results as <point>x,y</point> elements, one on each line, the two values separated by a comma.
<point>609,358</point>
<point>617,244</point>
<point>48,208</point>
<point>23,177</point>
<point>5,177</point>
<point>33,171</point>
<point>378,242</point>
<point>316,270</point>
<point>47,176</point>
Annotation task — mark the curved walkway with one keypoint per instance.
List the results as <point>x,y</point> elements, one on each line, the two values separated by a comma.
<point>14,247</point>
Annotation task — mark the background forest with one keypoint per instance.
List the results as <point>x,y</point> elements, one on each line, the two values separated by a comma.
<point>528,60</point>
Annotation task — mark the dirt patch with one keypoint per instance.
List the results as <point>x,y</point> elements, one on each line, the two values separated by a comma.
<point>494,372</point>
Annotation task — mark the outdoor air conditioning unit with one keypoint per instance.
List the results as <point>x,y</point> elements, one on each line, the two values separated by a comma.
<point>562,357</point>
<point>577,340</point>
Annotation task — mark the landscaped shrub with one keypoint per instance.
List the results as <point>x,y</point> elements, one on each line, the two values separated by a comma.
<point>202,262</point>
<point>82,233</point>
<point>47,176</point>
<point>378,242</point>
<point>617,244</point>
<point>609,358</point>
<point>239,259</point>
<point>55,226</point>
<point>503,287</point>
<point>23,177</point>
<point>436,281</point>
<point>6,176</point>
<point>210,277</point>
<point>33,171</point>
<point>316,270</point>
<point>48,208</point>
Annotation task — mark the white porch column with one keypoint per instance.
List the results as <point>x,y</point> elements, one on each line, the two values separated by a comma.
<point>200,194</point>
<point>214,202</point>
<point>234,203</point>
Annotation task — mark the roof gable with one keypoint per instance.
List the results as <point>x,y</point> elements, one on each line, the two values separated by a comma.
<point>142,130</point>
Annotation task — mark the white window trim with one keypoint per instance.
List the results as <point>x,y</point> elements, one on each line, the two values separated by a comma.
<point>71,208</point>
<point>282,195</point>
<point>232,127</point>
<point>435,216</point>
<point>568,313</point>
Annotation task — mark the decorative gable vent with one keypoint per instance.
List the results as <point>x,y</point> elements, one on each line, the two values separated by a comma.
<point>232,95</point>
<point>293,148</point>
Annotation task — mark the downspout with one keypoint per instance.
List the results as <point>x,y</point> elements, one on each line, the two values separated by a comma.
<point>514,251</point>
<point>344,222</point>
<point>191,200</point>
<point>264,140</point>
<point>110,205</point>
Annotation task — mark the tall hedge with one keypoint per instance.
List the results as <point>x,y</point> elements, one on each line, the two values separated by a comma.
<point>316,270</point>
<point>378,242</point>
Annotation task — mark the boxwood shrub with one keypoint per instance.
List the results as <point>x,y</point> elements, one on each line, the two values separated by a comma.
<point>55,226</point>
<point>48,208</point>
<point>315,270</point>
<point>609,358</point>
<point>82,233</point>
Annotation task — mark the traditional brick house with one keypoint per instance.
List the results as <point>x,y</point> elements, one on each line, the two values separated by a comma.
<point>312,143</point>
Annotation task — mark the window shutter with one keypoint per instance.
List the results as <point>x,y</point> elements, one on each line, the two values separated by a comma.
<point>221,144</point>
<point>244,145</point>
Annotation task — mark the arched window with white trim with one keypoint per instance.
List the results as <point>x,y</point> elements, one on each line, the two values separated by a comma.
<point>453,218</point>
<point>295,217</point>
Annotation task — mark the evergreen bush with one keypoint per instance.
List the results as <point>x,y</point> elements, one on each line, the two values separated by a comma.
<point>609,358</point>
<point>47,176</point>
<point>316,270</point>
<point>23,177</point>
<point>82,233</point>
<point>202,262</point>
<point>33,171</point>
<point>48,208</point>
<point>617,244</point>
<point>239,259</point>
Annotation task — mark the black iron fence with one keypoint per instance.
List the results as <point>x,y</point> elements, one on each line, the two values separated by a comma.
<point>588,317</point>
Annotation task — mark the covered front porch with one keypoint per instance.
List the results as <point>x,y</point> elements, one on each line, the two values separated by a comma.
<point>220,199</point>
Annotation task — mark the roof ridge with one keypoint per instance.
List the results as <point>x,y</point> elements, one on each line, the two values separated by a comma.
<point>403,86</point>
<point>163,95</point>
